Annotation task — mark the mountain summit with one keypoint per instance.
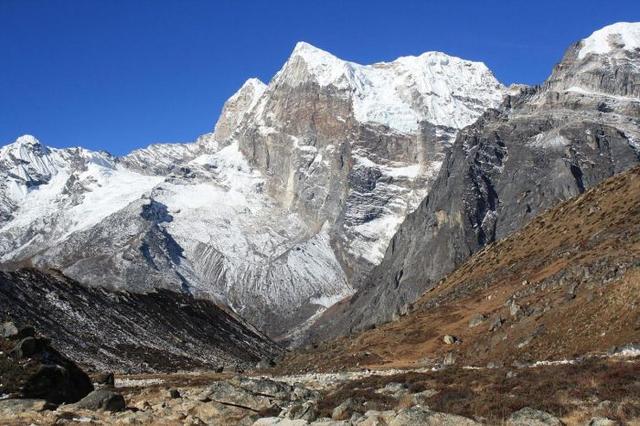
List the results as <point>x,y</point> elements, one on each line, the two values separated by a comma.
<point>278,213</point>
<point>432,87</point>
<point>621,37</point>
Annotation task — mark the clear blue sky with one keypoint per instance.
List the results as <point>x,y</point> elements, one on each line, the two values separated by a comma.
<point>120,74</point>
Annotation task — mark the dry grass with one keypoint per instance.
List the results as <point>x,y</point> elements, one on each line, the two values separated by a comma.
<point>492,396</point>
<point>597,232</point>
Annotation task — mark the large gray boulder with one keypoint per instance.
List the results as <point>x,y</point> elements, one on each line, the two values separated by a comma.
<point>14,407</point>
<point>345,410</point>
<point>102,399</point>
<point>33,369</point>
<point>421,416</point>
<point>8,329</point>
<point>263,396</point>
<point>531,417</point>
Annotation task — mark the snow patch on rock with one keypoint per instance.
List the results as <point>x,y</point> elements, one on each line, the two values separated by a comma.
<point>621,35</point>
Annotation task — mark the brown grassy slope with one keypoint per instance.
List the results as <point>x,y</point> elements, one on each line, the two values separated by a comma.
<point>574,393</point>
<point>565,285</point>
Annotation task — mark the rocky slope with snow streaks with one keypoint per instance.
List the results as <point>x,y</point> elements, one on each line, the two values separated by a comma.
<point>541,147</point>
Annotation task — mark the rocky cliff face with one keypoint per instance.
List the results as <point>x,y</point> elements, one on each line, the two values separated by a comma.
<point>278,213</point>
<point>542,146</point>
<point>357,147</point>
<point>562,288</point>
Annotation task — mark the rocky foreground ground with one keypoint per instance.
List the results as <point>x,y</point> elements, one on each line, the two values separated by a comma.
<point>40,386</point>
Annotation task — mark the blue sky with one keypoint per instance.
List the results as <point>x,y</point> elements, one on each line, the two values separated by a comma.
<point>121,74</point>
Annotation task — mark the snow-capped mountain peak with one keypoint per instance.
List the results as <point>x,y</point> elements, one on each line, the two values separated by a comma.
<point>27,159</point>
<point>236,107</point>
<point>432,87</point>
<point>296,192</point>
<point>623,36</point>
<point>28,140</point>
<point>323,67</point>
<point>253,87</point>
<point>23,148</point>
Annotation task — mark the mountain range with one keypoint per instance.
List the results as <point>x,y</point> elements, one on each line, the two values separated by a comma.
<point>326,201</point>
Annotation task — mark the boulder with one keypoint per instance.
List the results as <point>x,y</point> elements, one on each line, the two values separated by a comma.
<point>213,413</point>
<point>13,407</point>
<point>57,383</point>
<point>449,339</point>
<point>102,399</point>
<point>531,417</point>
<point>8,329</point>
<point>300,392</point>
<point>395,389</point>
<point>174,394</point>
<point>476,320</point>
<point>106,379</point>
<point>264,386</point>
<point>602,421</point>
<point>27,331</point>
<point>27,347</point>
<point>35,370</point>
<point>305,411</point>
<point>344,410</point>
<point>225,392</point>
<point>422,416</point>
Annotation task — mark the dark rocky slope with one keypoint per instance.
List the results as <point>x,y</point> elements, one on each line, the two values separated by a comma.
<point>31,368</point>
<point>541,147</point>
<point>121,331</point>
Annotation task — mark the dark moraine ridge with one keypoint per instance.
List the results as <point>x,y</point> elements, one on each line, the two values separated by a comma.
<point>121,331</point>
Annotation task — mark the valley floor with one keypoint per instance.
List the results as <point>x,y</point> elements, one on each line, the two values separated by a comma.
<point>573,392</point>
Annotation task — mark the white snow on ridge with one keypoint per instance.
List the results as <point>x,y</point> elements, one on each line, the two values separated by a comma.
<point>262,244</point>
<point>256,87</point>
<point>622,35</point>
<point>401,93</point>
<point>108,191</point>
<point>585,92</point>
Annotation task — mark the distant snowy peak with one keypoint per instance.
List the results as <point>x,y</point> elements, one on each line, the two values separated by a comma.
<point>160,159</point>
<point>26,141</point>
<point>28,161</point>
<point>621,36</point>
<point>309,62</point>
<point>236,107</point>
<point>602,68</point>
<point>434,87</point>
<point>252,89</point>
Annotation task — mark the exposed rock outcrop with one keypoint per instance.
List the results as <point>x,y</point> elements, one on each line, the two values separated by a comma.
<point>542,146</point>
<point>32,369</point>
